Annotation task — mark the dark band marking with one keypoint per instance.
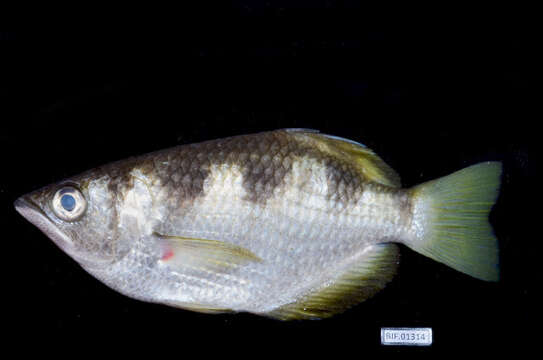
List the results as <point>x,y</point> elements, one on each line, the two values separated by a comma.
<point>264,159</point>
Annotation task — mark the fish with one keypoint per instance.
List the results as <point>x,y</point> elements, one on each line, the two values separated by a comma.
<point>288,224</point>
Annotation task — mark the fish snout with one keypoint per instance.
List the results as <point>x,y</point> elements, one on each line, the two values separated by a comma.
<point>32,212</point>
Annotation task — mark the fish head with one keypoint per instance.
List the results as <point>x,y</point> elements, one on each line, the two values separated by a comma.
<point>79,215</point>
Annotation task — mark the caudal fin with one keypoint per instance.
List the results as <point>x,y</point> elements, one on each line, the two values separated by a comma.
<point>451,220</point>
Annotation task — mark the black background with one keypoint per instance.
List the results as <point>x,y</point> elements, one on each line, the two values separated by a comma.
<point>430,90</point>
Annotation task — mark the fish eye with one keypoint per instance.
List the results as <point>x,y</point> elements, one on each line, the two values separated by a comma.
<point>69,204</point>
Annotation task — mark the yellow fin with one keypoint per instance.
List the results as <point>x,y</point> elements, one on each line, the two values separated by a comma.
<point>453,211</point>
<point>373,271</point>
<point>369,163</point>
<point>203,254</point>
<point>201,308</point>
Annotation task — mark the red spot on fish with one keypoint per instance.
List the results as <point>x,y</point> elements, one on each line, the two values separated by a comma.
<point>168,254</point>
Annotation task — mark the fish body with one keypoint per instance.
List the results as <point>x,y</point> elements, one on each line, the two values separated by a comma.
<point>288,224</point>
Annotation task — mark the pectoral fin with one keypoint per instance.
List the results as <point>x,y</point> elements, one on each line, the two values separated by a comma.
<point>203,254</point>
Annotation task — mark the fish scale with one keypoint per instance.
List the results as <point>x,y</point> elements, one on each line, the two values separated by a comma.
<point>291,224</point>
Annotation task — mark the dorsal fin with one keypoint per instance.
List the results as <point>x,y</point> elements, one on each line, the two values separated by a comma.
<point>371,273</point>
<point>368,162</point>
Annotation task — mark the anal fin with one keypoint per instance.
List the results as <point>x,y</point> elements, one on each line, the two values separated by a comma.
<point>374,270</point>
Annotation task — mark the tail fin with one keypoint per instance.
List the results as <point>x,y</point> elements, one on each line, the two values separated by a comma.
<point>451,218</point>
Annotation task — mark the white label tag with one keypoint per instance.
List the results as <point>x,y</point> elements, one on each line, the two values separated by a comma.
<point>406,336</point>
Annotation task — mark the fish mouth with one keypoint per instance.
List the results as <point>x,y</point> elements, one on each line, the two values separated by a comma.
<point>35,215</point>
